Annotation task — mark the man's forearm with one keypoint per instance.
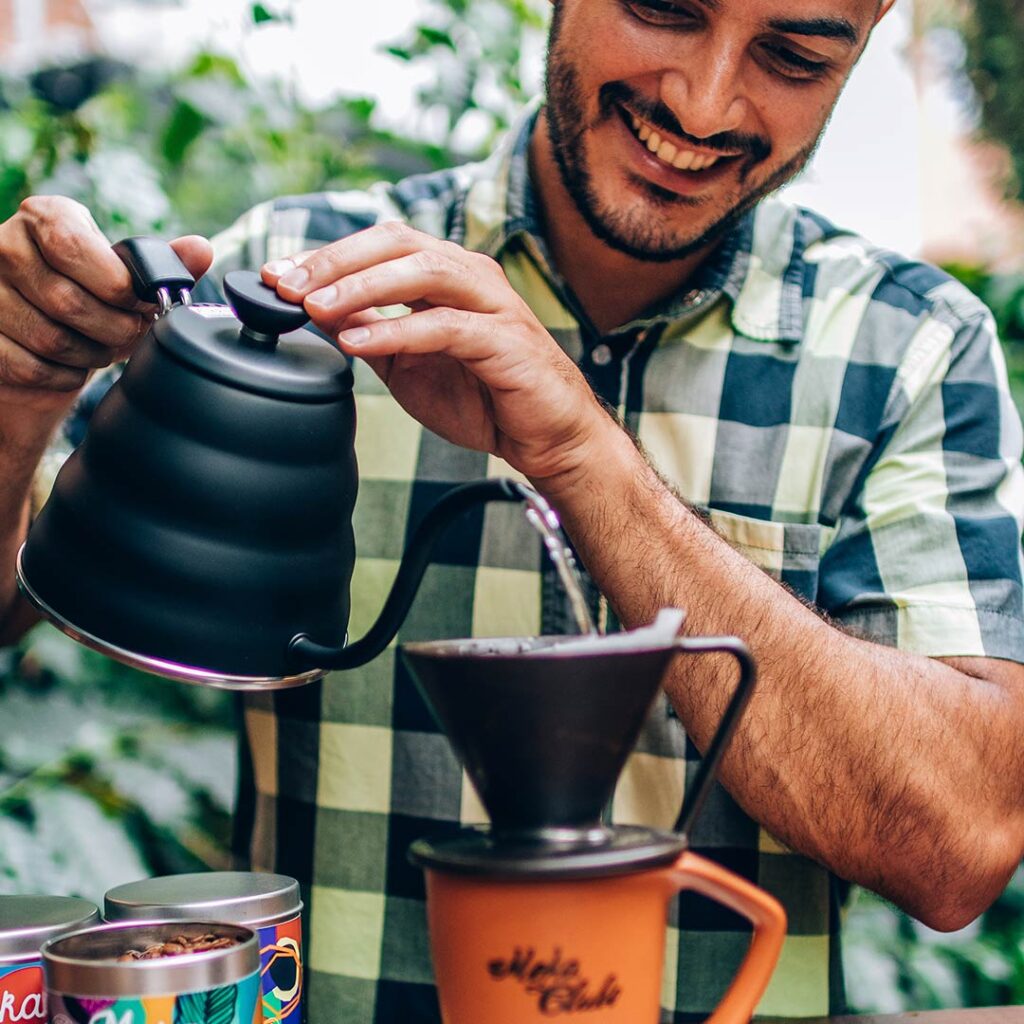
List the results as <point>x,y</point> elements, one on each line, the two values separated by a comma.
<point>23,440</point>
<point>896,771</point>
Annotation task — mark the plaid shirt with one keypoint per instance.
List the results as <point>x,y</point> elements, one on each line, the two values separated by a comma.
<point>843,415</point>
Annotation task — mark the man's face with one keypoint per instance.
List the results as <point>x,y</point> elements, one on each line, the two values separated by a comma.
<point>670,118</point>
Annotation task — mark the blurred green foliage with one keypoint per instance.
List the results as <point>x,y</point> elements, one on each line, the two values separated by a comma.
<point>1003,293</point>
<point>107,775</point>
<point>152,154</point>
<point>992,31</point>
<point>893,963</point>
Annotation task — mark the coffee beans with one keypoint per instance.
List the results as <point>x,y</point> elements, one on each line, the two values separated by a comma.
<point>179,945</point>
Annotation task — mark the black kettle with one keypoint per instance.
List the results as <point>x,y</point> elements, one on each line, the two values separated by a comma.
<point>203,529</point>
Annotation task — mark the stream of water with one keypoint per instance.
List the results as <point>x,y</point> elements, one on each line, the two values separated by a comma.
<point>544,519</point>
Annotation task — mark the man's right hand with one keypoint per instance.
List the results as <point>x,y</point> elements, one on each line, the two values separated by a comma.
<point>66,303</point>
<point>66,308</point>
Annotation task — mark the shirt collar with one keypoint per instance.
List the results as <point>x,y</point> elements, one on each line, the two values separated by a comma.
<point>759,266</point>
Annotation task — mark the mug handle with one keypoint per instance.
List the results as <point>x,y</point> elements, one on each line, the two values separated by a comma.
<point>765,913</point>
<point>708,768</point>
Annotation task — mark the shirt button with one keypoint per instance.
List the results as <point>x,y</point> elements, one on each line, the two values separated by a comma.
<point>601,356</point>
<point>691,298</point>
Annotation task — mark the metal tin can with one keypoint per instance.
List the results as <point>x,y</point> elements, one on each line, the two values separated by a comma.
<point>86,983</point>
<point>270,904</point>
<point>26,922</point>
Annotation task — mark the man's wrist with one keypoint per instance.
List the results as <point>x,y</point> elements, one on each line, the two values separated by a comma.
<point>593,459</point>
<point>26,428</point>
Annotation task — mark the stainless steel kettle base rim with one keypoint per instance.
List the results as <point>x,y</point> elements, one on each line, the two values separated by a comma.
<point>157,666</point>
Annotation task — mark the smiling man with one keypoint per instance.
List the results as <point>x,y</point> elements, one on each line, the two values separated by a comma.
<point>827,466</point>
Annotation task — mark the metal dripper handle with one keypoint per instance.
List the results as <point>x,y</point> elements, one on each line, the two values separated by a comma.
<point>708,768</point>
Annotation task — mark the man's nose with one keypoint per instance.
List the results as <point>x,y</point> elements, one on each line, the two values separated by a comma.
<point>707,95</point>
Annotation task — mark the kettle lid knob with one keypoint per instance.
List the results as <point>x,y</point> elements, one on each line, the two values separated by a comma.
<point>263,312</point>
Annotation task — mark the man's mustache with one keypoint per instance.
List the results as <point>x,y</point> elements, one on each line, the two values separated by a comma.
<point>754,147</point>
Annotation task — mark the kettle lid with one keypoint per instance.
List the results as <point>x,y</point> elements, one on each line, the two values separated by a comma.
<point>257,346</point>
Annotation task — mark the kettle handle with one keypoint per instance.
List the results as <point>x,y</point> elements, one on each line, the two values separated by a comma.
<point>708,768</point>
<point>306,654</point>
<point>155,268</point>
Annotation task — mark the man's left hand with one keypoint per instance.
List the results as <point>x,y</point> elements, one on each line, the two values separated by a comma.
<point>470,360</point>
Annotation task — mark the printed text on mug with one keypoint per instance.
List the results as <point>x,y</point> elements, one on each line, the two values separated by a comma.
<point>557,982</point>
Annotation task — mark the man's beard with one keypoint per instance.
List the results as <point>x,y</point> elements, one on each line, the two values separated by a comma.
<point>643,235</point>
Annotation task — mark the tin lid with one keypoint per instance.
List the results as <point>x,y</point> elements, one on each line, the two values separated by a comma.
<point>85,963</point>
<point>244,897</point>
<point>622,850</point>
<point>26,922</point>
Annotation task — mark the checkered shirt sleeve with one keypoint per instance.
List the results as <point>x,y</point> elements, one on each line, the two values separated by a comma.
<point>926,555</point>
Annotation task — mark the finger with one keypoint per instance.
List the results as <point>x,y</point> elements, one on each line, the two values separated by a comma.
<point>274,270</point>
<point>72,246</point>
<point>69,304</point>
<point>49,340</point>
<point>195,252</point>
<point>456,332</point>
<point>65,300</point>
<point>381,365</point>
<point>422,277</point>
<point>22,369</point>
<point>379,244</point>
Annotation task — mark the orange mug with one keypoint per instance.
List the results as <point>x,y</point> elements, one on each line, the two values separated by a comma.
<point>515,951</point>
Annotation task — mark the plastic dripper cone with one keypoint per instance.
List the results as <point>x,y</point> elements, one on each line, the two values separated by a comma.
<point>543,727</point>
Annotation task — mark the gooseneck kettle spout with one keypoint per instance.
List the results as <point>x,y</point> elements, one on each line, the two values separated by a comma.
<point>307,654</point>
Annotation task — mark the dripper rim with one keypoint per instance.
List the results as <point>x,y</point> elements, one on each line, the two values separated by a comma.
<point>657,637</point>
<point>456,649</point>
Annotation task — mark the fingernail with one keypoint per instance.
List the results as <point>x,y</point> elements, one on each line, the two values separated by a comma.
<point>323,297</point>
<point>355,336</point>
<point>295,279</point>
<point>278,268</point>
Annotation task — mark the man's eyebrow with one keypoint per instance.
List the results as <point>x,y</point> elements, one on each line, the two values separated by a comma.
<point>829,28</point>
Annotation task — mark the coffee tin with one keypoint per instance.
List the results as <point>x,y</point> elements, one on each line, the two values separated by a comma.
<point>86,983</point>
<point>270,904</point>
<point>26,922</point>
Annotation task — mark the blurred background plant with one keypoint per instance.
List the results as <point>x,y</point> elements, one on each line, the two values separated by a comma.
<point>106,775</point>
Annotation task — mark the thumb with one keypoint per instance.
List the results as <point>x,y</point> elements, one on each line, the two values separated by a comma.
<point>195,252</point>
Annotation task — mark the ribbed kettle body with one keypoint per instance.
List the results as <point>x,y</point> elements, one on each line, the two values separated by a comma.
<point>218,519</point>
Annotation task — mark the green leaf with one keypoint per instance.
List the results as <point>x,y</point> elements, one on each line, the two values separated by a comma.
<point>262,14</point>
<point>207,64</point>
<point>360,107</point>
<point>184,126</point>
<point>435,37</point>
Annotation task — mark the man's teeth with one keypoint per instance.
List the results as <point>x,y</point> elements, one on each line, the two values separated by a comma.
<point>681,160</point>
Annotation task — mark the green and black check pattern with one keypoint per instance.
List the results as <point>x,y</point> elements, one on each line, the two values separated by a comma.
<point>841,412</point>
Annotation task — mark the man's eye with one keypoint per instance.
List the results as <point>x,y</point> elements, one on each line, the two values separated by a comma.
<point>793,65</point>
<point>660,12</point>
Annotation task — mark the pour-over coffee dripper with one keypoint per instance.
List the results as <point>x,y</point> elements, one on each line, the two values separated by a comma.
<point>550,910</point>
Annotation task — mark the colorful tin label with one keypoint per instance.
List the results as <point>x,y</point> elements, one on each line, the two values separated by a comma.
<point>22,995</point>
<point>229,1004</point>
<point>281,972</point>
